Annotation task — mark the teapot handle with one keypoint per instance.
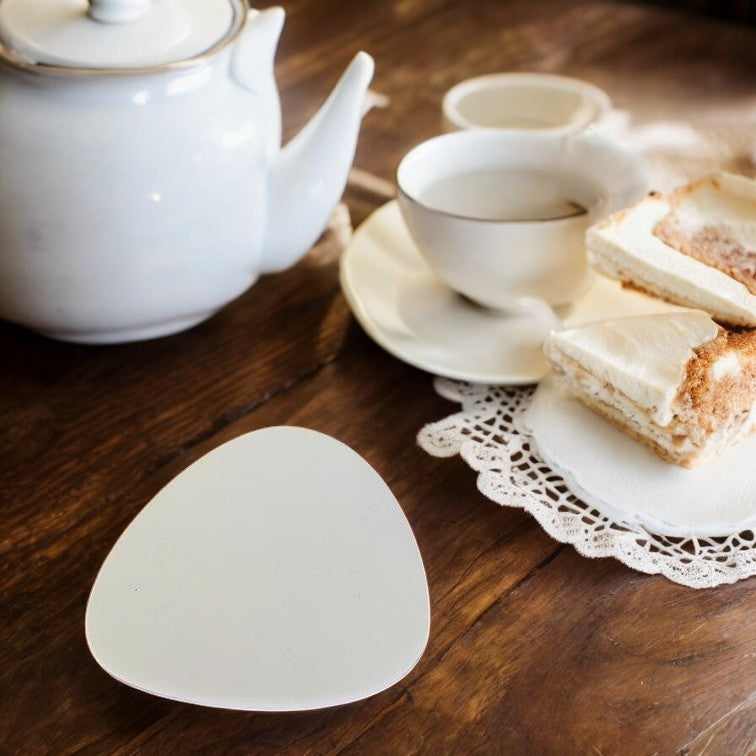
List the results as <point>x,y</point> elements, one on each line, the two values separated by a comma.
<point>117,11</point>
<point>252,69</point>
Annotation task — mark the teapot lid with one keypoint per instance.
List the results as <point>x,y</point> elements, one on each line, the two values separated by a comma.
<point>115,34</point>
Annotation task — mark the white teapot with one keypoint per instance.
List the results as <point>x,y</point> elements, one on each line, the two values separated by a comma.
<point>142,185</point>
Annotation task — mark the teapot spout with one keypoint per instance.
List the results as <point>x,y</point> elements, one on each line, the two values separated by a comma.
<point>308,176</point>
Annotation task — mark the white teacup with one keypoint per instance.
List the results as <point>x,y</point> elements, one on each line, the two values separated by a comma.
<point>500,216</point>
<point>524,101</point>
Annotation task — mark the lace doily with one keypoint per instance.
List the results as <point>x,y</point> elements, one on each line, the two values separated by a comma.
<point>510,472</point>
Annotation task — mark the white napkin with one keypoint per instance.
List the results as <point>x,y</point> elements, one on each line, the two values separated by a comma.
<point>623,479</point>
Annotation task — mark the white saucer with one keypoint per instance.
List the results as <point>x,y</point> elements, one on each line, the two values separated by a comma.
<point>405,309</point>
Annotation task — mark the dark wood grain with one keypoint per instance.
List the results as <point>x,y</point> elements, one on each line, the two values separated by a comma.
<point>533,648</point>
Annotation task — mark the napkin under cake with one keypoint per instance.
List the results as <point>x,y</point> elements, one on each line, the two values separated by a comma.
<point>676,381</point>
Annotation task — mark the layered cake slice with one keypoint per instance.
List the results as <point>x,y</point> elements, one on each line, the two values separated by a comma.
<point>675,381</point>
<point>695,247</point>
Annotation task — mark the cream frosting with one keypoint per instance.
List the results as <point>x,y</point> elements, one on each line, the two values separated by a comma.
<point>729,365</point>
<point>727,201</point>
<point>643,357</point>
<point>626,246</point>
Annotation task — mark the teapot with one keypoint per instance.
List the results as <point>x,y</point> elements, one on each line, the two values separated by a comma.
<point>143,182</point>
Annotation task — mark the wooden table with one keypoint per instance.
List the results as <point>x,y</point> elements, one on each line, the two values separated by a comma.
<point>533,648</point>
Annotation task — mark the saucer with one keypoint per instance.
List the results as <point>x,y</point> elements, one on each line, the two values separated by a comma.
<point>406,310</point>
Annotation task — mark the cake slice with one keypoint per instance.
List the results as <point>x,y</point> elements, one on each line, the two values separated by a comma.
<point>695,247</point>
<point>675,381</point>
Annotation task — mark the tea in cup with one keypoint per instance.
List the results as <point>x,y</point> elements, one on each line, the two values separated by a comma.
<point>524,101</point>
<point>500,217</point>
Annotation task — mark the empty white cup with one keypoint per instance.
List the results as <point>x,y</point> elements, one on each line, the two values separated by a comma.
<point>528,101</point>
<point>496,214</point>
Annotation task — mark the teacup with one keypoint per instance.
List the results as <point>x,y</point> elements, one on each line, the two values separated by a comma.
<point>527,101</point>
<point>500,216</point>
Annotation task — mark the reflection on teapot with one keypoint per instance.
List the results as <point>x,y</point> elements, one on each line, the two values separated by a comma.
<point>140,195</point>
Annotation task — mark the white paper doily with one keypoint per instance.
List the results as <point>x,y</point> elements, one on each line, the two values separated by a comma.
<point>510,473</point>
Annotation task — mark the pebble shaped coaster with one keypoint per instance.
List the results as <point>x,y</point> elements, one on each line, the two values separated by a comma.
<point>276,573</point>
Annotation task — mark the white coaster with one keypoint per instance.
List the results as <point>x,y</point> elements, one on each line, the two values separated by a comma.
<point>276,573</point>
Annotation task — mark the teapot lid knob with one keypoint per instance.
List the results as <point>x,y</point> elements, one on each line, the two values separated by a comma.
<point>117,11</point>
